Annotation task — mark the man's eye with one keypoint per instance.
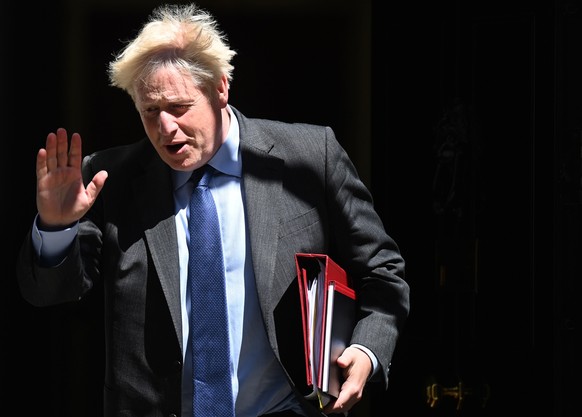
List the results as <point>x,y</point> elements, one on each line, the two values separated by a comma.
<point>182,107</point>
<point>150,112</point>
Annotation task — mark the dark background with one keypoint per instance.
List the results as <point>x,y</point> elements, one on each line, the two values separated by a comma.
<point>464,118</point>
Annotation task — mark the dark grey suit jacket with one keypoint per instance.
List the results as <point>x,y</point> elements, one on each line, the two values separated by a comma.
<point>302,195</point>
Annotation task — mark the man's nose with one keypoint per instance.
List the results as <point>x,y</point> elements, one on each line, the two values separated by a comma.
<point>167,123</point>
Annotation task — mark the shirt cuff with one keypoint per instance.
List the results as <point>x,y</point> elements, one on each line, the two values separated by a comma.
<point>52,246</point>
<point>372,357</point>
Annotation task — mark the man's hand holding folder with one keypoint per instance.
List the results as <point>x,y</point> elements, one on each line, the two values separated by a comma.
<point>328,307</point>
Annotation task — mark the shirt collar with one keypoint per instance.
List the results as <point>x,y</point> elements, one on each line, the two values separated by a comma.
<point>226,159</point>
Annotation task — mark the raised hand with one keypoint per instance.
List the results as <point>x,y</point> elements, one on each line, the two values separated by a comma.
<point>61,197</point>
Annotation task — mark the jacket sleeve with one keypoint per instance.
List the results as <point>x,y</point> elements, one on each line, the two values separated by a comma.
<point>360,243</point>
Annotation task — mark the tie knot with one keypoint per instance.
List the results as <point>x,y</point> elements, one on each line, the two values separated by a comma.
<point>201,176</point>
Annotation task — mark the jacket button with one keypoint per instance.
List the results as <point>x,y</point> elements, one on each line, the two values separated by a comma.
<point>172,415</point>
<point>177,367</point>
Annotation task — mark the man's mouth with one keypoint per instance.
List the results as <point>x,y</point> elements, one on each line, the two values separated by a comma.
<point>174,148</point>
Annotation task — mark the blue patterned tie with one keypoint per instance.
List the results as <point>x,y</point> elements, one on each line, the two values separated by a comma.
<point>212,386</point>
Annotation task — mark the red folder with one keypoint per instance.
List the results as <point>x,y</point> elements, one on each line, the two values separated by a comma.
<point>328,314</point>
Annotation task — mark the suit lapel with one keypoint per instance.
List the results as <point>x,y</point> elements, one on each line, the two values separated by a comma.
<point>263,173</point>
<point>262,180</point>
<point>153,191</point>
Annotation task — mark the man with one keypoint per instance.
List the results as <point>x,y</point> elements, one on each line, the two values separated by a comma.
<point>120,216</point>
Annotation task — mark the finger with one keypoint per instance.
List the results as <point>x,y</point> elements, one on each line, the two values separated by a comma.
<point>41,169</point>
<point>75,151</point>
<point>50,155</point>
<point>341,405</point>
<point>96,185</point>
<point>62,148</point>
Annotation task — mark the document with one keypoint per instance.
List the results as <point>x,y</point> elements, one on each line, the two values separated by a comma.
<point>328,310</point>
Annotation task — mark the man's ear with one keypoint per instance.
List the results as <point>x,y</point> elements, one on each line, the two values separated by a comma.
<point>222,91</point>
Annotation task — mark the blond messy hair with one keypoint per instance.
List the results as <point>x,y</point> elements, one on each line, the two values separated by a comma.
<point>184,37</point>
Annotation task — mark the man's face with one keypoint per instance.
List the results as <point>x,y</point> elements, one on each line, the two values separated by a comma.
<point>184,125</point>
